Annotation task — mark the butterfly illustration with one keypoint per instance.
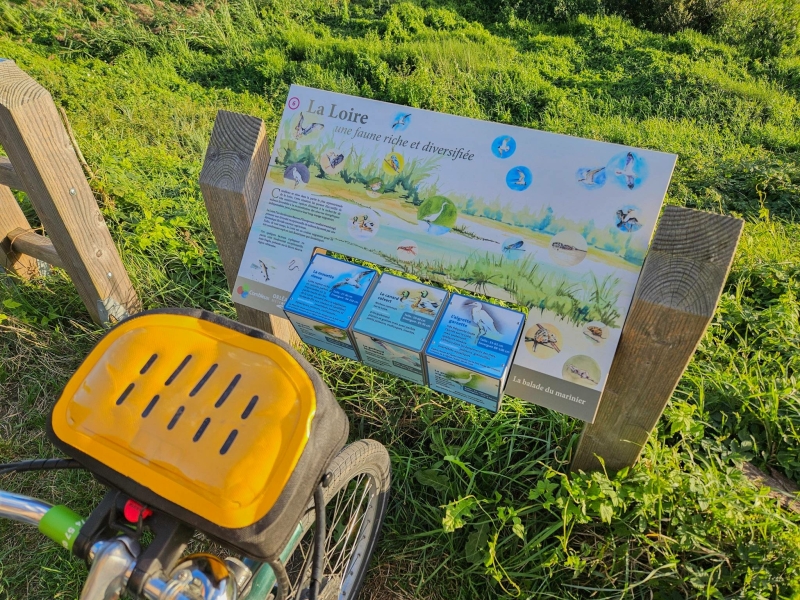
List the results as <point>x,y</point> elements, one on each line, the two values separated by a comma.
<point>300,131</point>
<point>335,159</point>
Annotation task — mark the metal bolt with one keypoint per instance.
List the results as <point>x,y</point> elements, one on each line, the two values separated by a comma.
<point>110,275</point>
<point>72,191</point>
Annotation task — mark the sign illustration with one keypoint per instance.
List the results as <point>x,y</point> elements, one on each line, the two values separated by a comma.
<point>556,224</point>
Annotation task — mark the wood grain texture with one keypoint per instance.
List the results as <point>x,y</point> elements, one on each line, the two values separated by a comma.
<point>8,176</point>
<point>233,174</point>
<point>674,301</point>
<point>12,219</point>
<point>33,136</point>
<point>32,244</point>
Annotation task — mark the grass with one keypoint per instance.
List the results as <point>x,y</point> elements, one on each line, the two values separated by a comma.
<point>481,506</point>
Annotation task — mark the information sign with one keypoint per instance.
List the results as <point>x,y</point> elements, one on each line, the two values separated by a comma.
<point>557,224</point>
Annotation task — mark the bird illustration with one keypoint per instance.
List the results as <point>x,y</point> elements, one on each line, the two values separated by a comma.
<point>590,174</point>
<point>300,131</point>
<point>423,305</point>
<point>482,320</point>
<point>295,174</point>
<point>392,162</point>
<point>334,159</point>
<point>404,294</point>
<point>625,222</point>
<point>503,147</point>
<point>514,246</point>
<point>543,337</point>
<point>520,178</point>
<point>409,249</point>
<point>580,373</point>
<point>627,171</point>
<point>431,217</point>
<point>375,185</point>
<point>354,282</point>
<point>401,121</point>
<point>264,269</point>
<point>460,380</point>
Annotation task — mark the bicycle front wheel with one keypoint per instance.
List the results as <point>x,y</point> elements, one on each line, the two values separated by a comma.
<point>355,505</point>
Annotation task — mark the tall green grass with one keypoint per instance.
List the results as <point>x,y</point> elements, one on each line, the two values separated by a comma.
<point>481,506</point>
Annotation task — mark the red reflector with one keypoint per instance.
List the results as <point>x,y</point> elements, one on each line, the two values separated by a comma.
<point>133,511</point>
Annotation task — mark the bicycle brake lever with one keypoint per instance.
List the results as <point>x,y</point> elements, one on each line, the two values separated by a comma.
<point>112,564</point>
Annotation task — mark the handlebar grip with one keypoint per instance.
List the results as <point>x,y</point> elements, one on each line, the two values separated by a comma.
<point>62,525</point>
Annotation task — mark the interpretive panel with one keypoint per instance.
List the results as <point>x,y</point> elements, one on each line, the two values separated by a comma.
<point>557,224</point>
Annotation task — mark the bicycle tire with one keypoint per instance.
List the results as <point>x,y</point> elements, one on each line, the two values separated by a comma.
<point>363,460</point>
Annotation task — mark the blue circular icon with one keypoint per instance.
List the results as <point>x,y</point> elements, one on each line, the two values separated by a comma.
<point>401,121</point>
<point>519,178</point>
<point>503,146</point>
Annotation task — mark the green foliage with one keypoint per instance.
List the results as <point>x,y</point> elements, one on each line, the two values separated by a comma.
<point>481,504</point>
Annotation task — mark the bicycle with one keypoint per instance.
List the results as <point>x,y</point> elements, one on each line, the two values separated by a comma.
<point>197,423</point>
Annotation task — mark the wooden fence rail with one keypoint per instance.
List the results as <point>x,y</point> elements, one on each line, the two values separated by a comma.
<point>42,162</point>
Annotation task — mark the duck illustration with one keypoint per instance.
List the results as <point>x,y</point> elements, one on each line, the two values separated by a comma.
<point>627,171</point>
<point>423,305</point>
<point>401,121</point>
<point>543,337</point>
<point>481,319</point>
<point>503,147</point>
<point>300,131</point>
<point>431,217</point>
<point>589,175</point>
<point>353,281</point>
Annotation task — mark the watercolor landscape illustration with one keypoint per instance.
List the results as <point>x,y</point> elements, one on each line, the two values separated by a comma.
<point>556,225</point>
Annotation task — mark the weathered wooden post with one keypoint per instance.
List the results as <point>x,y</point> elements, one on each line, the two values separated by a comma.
<point>233,174</point>
<point>674,302</point>
<point>43,164</point>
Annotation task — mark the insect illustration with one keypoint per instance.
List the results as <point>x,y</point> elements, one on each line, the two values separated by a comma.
<point>354,282</point>
<point>401,121</point>
<point>503,147</point>
<point>543,337</point>
<point>300,131</point>
<point>627,171</point>
<point>409,249</point>
<point>392,162</point>
<point>481,319</point>
<point>514,246</point>
<point>589,176</point>
<point>625,222</point>
<point>594,333</point>
<point>423,305</point>
<point>264,270</point>
<point>580,373</point>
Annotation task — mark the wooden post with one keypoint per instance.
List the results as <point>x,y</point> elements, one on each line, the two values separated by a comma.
<point>233,174</point>
<point>674,302</point>
<point>43,163</point>
<point>11,219</point>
